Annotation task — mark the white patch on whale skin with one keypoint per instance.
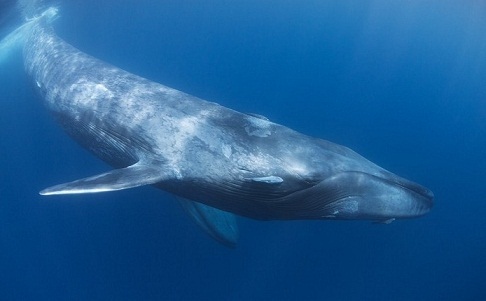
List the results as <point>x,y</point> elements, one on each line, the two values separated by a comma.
<point>101,89</point>
<point>87,92</point>
<point>258,127</point>
<point>349,207</point>
<point>268,180</point>
<point>181,132</point>
<point>294,166</point>
<point>226,149</point>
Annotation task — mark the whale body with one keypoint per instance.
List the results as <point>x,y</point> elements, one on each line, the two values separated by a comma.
<point>217,161</point>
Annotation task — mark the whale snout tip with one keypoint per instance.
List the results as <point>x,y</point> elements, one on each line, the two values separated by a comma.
<point>423,196</point>
<point>429,196</point>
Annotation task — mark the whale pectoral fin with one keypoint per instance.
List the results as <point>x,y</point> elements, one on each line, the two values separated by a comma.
<point>220,225</point>
<point>138,174</point>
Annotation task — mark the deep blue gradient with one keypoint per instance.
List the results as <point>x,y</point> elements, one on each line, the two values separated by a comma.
<point>401,82</point>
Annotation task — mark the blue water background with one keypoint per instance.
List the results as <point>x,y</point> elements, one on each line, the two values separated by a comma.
<point>401,82</point>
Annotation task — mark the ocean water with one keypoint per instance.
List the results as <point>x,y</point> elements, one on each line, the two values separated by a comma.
<point>401,82</point>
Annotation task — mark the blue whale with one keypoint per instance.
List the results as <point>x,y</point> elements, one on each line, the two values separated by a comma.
<point>217,161</point>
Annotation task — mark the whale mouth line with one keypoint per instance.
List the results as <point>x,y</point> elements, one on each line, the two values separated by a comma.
<point>413,188</point>
<point>422,192</point>
<point>404,184</point>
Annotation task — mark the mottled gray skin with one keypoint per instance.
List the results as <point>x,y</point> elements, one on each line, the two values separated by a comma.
<point>207,153</point>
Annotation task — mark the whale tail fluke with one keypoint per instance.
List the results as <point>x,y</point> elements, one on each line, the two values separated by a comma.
<point>15,39</point>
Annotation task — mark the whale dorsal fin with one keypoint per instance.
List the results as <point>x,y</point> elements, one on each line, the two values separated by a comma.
<point>258,116</point>
<point>138,174</point>
<point>219,224</point>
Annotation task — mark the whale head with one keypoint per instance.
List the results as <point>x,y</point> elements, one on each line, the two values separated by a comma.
<point>348,186</point>
<point>373,196</point>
